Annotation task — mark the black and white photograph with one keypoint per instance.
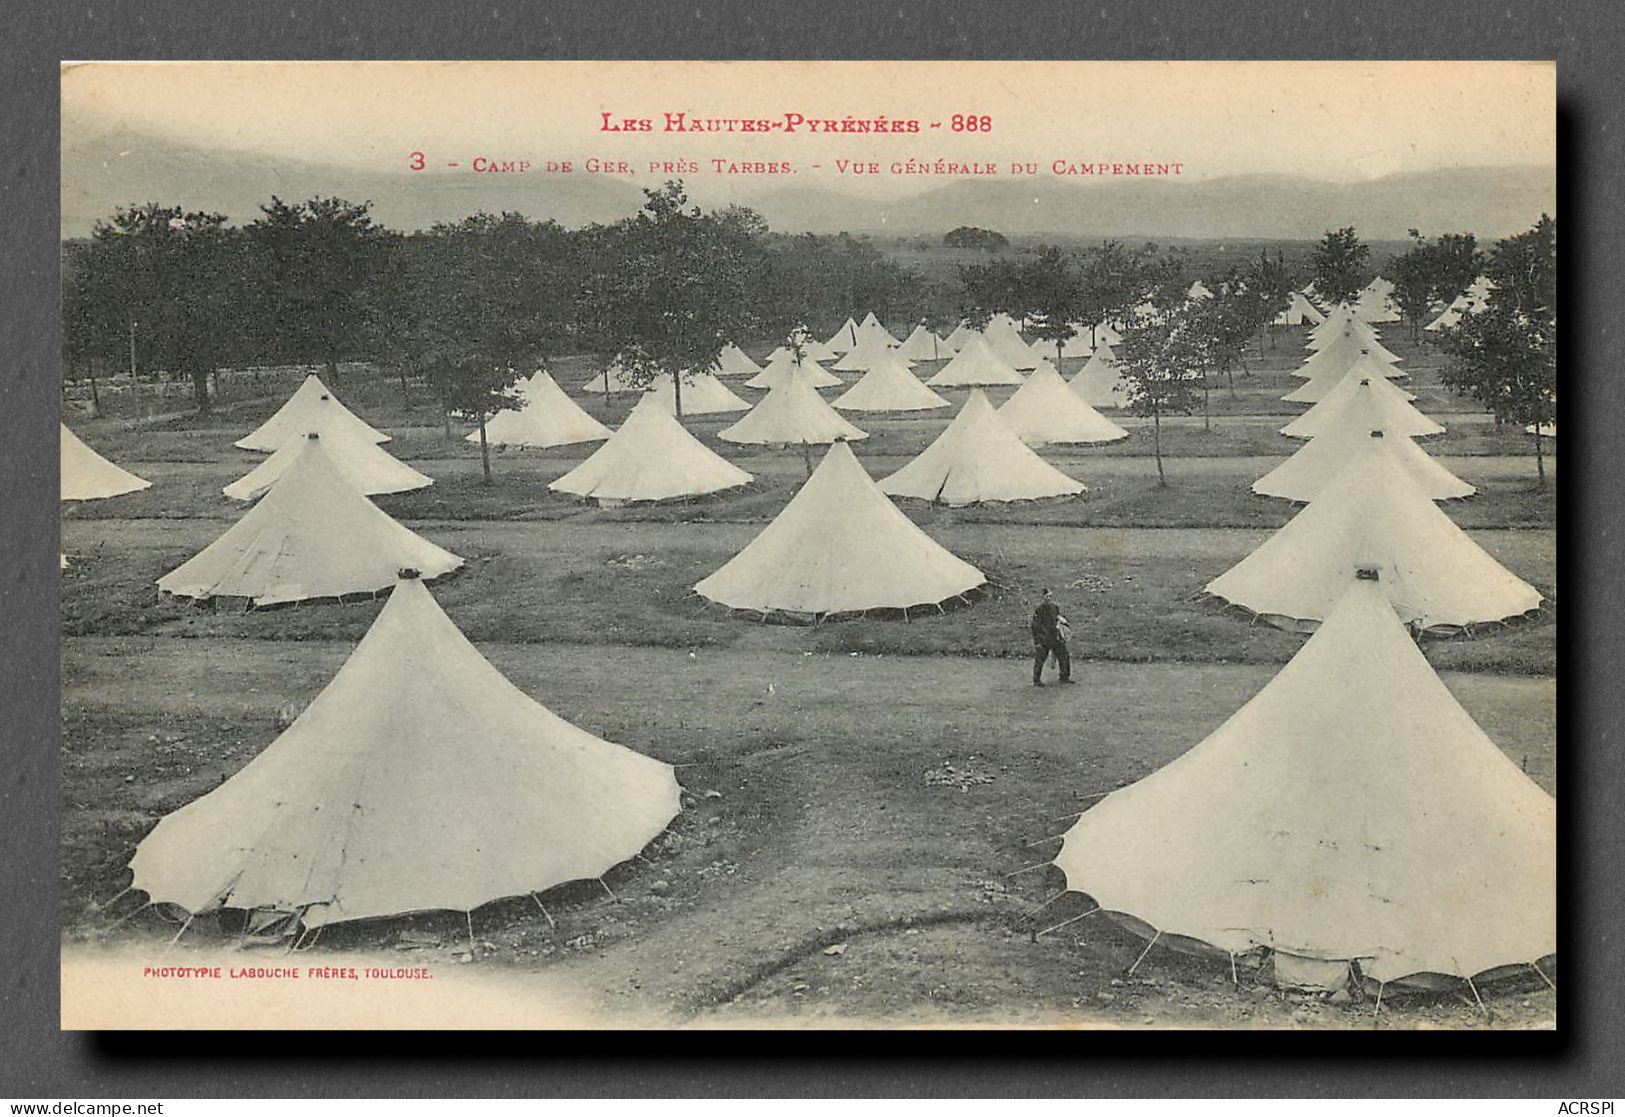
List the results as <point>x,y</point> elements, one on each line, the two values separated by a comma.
<point>809,545</point>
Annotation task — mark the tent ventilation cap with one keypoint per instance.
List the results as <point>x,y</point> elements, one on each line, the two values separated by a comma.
<point>313,436</point>
<point>1365,382</point>
<point>408,573</point>
<point>1366,574</point>
<point>326,396</point>
<point>1376,434</point>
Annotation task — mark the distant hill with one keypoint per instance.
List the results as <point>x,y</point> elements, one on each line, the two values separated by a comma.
<point>104,172</point>
<point>1489,201</point>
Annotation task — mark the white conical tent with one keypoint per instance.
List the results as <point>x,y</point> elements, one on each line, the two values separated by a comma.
<point>1006,342</point>
<point>1107,334</point>
<point>1198,291</point>
<point>360,460</point>
<point>420,779</point>
<point>703,394</point>
<point>1046,410</point>
<point>1334,358</point>
<point>1363,366</point>
<point>651,457</point>
<point>1374,515</point>
<point>1099,383</point>
<point>1302,476</point>
<point>871,348</point>
<point>839,546</point>
<point>784,365</point>
<point>974,364</point>
<point>1339,320</point>
<point>960,334</point>
<point>615,377</point>
<point>1078,345</point>
<point>1399,416</point>
<point>923,345</point>
<point>1450,315</point>
<point>873,327</point>
<point>734,361</point>
<point>86,475</point>
<point>1298,311</point>
<point>1350,811</point>
<point>310,408</point>
<point>811,346</point>
<point>314,535</point>
<point>1375,303</point>
<point>792,413</point>
<point>889,386</point>
<point>844,338</point>
<point>549,417</point>
<point>978,458</point>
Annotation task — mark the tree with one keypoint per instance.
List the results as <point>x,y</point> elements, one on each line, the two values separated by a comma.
<point>1050,291</point>
<point>1413,278</point>
<point>1155,359</point>
<point>676,286</point>
<point>165,282</point>
<point>1340,266</point>
<point>983,240</point>
<point>487,300</point>
<point>315,261</point>
<point>1505,356</point>
<point>1270,283</point>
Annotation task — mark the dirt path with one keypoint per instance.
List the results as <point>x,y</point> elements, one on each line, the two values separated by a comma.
<point>823,817</point>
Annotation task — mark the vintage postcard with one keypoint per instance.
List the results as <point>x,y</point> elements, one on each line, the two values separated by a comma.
<point>809,544</point>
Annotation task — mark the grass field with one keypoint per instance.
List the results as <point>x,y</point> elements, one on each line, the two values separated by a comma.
<point>865,784</point>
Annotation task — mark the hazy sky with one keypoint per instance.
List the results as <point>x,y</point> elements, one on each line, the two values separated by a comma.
<point>1340,121</point>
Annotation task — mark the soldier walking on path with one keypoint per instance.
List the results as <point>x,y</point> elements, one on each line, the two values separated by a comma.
<point>1049,638</point>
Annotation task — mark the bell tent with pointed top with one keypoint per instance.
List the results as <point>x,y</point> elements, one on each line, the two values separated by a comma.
<point>652,457</point>
<point>314,536</point>
<point>1045,410</point>
<point>974,365</point>
<point>923,345</point>
<point>361,461</point>
<point>873,327</point>
<point>310,408</point>
<point>959,335</point>
<point>1364,366</point>
<point>1079,344</point>
<point>811,346</point>
<point>734,361</point>
<point>792,413</point>
<point>614,377</point>
<point>871,347</point>
<point>1004,338</point>
<point>1323,458</point>
<point>839,546</point>
<point>1347,347</point>
<point>1198,291</point>
<point>979,459</point>
<point>844,338</point>
<point>1399,416</point>
<point>86,475</point>
<point>548,418</point>
<point>1338,320</point>
<point>1374,515</point>
<point>785,365</point>
<point>1099,383</point>
<point>1375,302</point>
<point>1351,811</point>
<point>889,386</point>
<point>420,779</point>
<point>1298,310</point>
<point>703,394</point>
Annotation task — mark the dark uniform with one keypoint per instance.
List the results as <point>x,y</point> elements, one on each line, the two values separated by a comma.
<point>1048,641</point>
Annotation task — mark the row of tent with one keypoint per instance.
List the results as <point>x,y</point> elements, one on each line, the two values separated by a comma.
<point>1350,822</point>
<point>1330,830</point>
